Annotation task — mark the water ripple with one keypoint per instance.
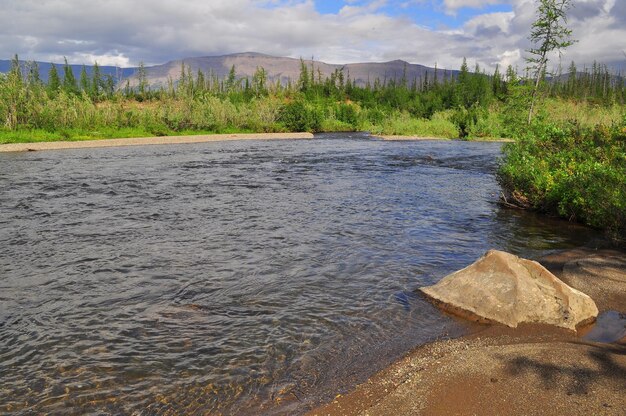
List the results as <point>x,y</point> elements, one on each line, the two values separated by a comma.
<point>236,277</point>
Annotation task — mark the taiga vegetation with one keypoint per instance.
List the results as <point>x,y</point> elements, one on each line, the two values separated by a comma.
<point>471,105</point>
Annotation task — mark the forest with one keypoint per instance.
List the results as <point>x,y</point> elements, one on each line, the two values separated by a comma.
<point>470,105</point>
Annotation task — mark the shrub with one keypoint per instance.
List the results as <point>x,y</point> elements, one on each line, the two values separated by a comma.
<point>570,171</point>
<point>298,116</point>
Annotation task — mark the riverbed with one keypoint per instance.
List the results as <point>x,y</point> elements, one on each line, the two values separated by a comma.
<point>236,277</point>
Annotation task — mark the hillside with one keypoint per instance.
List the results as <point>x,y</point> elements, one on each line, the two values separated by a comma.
<point>286,69</point>
<point>278,69</point>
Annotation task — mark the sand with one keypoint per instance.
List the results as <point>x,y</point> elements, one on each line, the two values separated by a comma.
<point>495,370</point>
<point>22,147</point>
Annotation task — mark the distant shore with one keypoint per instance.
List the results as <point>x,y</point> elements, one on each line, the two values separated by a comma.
<point>533,369</point>
<point>141,141</point>
<point>391,137</point>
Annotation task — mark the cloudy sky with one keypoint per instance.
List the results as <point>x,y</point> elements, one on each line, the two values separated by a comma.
<point>125,32</point>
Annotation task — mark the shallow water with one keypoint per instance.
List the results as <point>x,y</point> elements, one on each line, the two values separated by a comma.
<point>235,277</point>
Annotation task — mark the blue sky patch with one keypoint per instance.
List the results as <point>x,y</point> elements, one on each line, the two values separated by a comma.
<point>431,14</point>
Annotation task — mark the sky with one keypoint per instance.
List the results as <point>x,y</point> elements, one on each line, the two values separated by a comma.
<point>428,32</point>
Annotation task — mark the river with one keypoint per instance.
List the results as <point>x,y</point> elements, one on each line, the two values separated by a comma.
<point>236,277</point>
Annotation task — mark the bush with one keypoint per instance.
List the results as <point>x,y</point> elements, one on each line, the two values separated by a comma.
<point>298,116</point>
<point>402,123</point>
<point>573,172</point>
<point>465,119</point>
<point>347,113</point>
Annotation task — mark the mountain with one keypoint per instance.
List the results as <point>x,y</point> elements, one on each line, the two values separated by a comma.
<point>285,69</point>
<point>44,67</point>
<point>277,68</point>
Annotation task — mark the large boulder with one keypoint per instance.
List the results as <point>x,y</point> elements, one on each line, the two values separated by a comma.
<point>501,287</point>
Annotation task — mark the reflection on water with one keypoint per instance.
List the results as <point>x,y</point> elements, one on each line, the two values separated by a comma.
<point>235,277</point>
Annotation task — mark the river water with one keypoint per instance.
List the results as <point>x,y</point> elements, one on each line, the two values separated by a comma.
<point>235,277</point>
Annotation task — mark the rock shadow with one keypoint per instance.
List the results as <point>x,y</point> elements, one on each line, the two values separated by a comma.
<point>580,378</point>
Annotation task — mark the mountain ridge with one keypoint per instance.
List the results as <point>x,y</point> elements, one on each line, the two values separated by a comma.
<point>287,69</point>
<point>279,69</point>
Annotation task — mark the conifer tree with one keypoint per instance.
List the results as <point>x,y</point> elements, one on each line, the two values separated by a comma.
<point>109,85</point>
<point>84,80</point>
<point>54,83</point>
<point>96,82</point>
<point>34,79</point>
<point>231,80</point>
<point>462,85</point>
<point>571,80</point>
<point>259,81</point>
<point>303,80</point>
<point>69,80</point>
<point>143,81</point>
<point>200,81</point>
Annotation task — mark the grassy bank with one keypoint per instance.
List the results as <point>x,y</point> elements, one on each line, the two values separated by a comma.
<point>66,117</point>
<point>78,118</point>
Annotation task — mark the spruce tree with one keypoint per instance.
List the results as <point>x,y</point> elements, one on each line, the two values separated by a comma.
<point>200,82</point>
<point>109,85</point>
<point>54,83</point>
<point>571,80</point>
<point>231,80</point>
<point>84,80</point>
<point>143,81</point>
<point>34,79</point>
<point>96,82</point>
<point>463,85</point>
<point>303,80</point>
<point>69,80</point>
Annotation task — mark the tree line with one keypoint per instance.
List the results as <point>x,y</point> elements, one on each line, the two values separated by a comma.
<point>466,95</point>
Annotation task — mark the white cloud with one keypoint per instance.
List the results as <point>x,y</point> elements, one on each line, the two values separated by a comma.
<point>453,5</point>
<point>507,58</point>
<point>156,31</point>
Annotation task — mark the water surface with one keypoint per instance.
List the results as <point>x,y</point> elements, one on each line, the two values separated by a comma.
<point>235,277</point>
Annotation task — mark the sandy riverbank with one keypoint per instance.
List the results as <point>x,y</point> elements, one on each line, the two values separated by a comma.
<point>141,141</point>
<point>531,370</point>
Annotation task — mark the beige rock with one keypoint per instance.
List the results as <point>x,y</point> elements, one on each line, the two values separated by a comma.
<point>501,287</point>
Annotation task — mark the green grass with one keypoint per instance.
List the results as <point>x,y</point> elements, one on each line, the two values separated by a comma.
<point>403,124</point>
<point>68,117</point>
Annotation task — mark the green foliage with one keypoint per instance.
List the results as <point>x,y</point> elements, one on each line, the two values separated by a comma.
<point>474,105</point>
<point>142,80</point>
<point>300,116</point>
<point>69,80</point>
<point>465,119</point>
<point>54,83</point>
<point>84,81</point>
<point>347,113</point>
<point>574,172</point>
<point>403,124</point>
